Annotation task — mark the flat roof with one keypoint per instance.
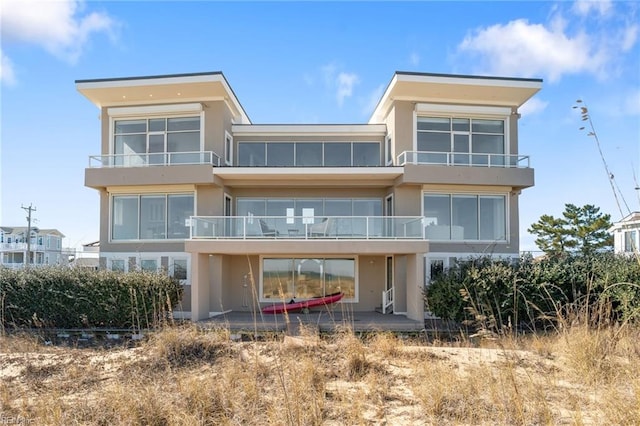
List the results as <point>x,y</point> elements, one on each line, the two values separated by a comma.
<point>155,89</point>
<point>455,88</point>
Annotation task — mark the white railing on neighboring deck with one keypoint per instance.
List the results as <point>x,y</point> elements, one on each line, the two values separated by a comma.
<point>463,159</point>
<point>387,299</point>
<point>307,227</point>
<point>154,159</point>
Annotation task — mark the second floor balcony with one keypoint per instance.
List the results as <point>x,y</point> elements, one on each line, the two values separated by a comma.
<point>406,157</point>
<point>154,159</point>
<point>308,227</point>
<point>463,159</point>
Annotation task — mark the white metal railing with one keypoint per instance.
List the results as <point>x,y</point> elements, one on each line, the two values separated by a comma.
<point>387,299</point>
<point>307,227</point>
<point>154,159</point>
<point>21,247</point>
<point>463,159</point>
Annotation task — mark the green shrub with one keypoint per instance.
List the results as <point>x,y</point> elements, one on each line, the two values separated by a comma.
<point>497,293</point>
<point>79,298</point>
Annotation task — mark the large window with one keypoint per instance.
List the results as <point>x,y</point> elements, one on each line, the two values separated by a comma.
<point>309,154</point>
<point>151,217</point>
<point>287,278</point>
<point>465,217</point>
<point>630,241</point>
<point>295,216</point>
<point>469,139</point>
<point>146,141</point>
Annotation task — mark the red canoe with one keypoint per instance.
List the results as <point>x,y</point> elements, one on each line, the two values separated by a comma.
<point>280,308</point>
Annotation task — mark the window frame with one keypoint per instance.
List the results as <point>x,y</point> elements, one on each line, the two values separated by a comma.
<point>356,263</point>
<point>138,197</point>
<point>477,195</point>
<point>133,115</point>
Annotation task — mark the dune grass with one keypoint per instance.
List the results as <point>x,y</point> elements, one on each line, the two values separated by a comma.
<point>185,376</point>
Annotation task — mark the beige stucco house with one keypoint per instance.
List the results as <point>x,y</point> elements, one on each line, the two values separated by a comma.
<point>248,214</point>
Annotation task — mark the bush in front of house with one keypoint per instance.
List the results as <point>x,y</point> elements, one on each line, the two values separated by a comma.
<point>56,297</point>
<point>597,288</point>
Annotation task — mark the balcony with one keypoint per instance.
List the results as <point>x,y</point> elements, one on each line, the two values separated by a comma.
<point>154,159</point>
<point>463,159</point>
<point>307,227</point>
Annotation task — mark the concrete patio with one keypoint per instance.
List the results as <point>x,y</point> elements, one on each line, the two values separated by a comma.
<point>324,321</point>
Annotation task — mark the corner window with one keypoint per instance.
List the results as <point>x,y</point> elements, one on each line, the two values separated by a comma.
<point>155,141</point>
<point>151,217</point>
<point>465,217</point>
<point>469,140</point>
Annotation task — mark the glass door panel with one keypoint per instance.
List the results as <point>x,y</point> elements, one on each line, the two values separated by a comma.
<point>155,148</point>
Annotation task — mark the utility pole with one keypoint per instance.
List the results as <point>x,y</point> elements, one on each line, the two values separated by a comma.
<point>28,210</point>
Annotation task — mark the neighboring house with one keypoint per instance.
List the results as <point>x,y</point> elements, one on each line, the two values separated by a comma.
<point>190,185</point>
<point>87,256</point>
<point>45,247</point>
<point>626,234</point>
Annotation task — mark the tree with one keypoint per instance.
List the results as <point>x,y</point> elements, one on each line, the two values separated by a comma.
<point>583,229</point>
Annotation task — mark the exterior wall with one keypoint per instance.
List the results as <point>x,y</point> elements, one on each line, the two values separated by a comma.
<point>404,127</point>
<point>231,290</point>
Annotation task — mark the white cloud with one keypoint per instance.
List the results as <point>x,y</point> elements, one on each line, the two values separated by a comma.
<point>7,74</point>
<point>339,82</point>
<point>533,106</point>
<point>414,59</point>
<point>524,49</point>
<point>632,103</point>
<point>371,101</point>
<point>60,27</point>
<point>555,48</point>
<point>346,81</point>
<point>586,7</point>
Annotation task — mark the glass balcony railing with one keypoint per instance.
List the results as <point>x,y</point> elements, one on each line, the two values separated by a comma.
<point>307,227</point>
<point>154,159</point>
<point>463,159</point>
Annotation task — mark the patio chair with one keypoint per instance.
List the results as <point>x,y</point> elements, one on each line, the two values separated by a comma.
<point>266,231</point>
<point>320,229</point>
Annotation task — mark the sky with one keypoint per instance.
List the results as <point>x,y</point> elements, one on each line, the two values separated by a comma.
<point>320,62</point>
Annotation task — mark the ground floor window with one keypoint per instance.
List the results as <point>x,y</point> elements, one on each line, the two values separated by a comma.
<point>288,278</point>
<point>630,241</point>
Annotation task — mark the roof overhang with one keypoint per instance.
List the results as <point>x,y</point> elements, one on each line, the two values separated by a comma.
<point>375,130</point>
<point>162,89</point>
<point>455,89</point>
<point>372,177</point>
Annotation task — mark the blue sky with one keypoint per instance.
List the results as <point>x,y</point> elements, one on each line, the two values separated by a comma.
<point>316,62</point>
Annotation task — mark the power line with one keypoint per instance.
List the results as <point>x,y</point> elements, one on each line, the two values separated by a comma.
<point>28,210</point>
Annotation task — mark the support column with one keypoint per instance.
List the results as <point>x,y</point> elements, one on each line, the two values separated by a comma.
<point>415,284</point>
<point>200,287</point>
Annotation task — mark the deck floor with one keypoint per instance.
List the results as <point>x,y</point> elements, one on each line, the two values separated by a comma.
<point>324,321</point>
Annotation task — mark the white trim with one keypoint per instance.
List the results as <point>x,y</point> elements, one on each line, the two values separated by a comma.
<point>217,313</point>
<point>311,129</point>
<point>155,110</point>
<point>449,110</point>
<point>469,81</point>
<point>381,171</point>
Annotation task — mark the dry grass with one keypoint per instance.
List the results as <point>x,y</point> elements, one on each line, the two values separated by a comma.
<point>183,376</point>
